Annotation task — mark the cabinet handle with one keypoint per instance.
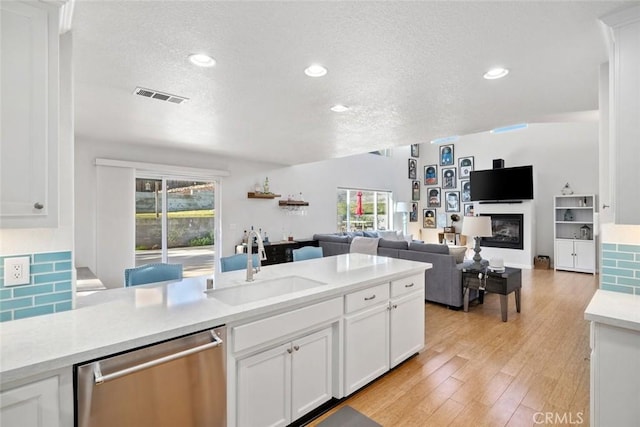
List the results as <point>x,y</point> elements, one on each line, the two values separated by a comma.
<point>605,206</point>
<point>409,286</point>
<point>38,205</point>
<point>289,351</point>
<point>395,305</point>
<point>296,347</point>
<point>370,298</point>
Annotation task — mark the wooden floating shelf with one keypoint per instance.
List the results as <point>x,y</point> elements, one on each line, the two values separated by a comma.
<point>252,195</point>
<point>292,203</point>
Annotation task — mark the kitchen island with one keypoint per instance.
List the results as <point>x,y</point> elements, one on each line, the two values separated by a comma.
<point>114,321</point>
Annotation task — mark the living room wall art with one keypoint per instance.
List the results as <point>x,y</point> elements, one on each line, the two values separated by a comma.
<point>433,197</point>
<point>446,155</point>
<point>413,215</point>
<point>428,218</point>
<point>468,209</point>
<point>415,150</point>
<point>449,178</point>
<point>465,185</point>
<point>452,201</point>
<point>465,166</point>
<point>431,175</point>
<point>415,190</point>
<point>413,167</point>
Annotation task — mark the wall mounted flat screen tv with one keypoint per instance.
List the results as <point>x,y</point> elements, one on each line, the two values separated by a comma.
<point>502,184</point>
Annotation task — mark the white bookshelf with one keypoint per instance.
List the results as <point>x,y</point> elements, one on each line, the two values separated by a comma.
<point>574,226</point>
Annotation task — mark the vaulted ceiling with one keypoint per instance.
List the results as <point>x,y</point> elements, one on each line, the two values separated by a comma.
<point>410,72</point>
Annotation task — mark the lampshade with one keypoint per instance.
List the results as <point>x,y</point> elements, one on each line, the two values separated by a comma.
<point>403,207</point>
<point>477,226</point>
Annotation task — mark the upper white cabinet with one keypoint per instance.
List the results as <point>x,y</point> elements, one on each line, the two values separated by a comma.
<point>574,233</point>
<point>29,114</point>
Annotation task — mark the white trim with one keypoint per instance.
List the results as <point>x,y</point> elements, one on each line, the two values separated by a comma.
<point>163,169</point>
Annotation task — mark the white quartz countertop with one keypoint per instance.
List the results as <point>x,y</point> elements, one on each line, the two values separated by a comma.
<point>615,309</point>
<point>116,320</point>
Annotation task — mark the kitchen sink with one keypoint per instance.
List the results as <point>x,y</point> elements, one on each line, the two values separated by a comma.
<point>258,290</point>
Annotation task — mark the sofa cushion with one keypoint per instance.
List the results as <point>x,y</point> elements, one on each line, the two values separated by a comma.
<point>458,252</point>
<point>364,245</point>
<point>388,234</point>
<point>393,244</point>
<point>429,247</point>
<point>331,238</point>
<point>370,234</point>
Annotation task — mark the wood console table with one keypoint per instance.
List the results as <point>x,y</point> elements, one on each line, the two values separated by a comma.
<point>499,283</point>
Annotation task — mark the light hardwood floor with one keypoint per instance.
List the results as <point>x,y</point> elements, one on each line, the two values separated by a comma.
<point>479,371</point>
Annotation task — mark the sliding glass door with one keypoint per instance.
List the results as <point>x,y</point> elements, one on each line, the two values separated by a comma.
<point>175,223</point>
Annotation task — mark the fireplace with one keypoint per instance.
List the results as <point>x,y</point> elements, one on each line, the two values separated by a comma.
<point>507,231</point>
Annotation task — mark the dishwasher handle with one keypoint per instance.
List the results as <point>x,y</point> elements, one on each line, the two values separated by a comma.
<point>99,378</point>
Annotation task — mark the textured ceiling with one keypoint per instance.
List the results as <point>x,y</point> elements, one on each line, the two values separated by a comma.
<point>411,71</point>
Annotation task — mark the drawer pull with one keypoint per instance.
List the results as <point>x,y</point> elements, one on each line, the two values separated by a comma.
<point>370,298</point>
<point>296,347</point>
<point>409,285</point>
<point>38,205</point>
<point>289,351</point>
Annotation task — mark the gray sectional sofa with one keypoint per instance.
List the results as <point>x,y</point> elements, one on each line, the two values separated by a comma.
<point>443,282</point>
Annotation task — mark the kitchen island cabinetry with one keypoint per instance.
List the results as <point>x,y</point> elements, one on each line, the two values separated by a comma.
<point>31,405</point>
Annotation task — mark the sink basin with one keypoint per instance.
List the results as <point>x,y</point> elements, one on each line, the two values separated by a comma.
<point>258,290</point>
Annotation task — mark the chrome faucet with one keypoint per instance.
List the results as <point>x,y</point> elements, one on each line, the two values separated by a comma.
<point>262,256</point>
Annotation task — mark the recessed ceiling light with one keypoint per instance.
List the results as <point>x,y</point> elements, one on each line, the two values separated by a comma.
<point>496,73</point>
<point>202,60</point>
<point>315,70</point>
<point>339,108</point>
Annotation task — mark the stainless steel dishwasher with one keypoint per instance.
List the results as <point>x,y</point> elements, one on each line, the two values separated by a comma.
<point>181,382</point>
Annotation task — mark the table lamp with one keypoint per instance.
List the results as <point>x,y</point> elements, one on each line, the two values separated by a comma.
<point>404,208</point>
<point>477,227</point>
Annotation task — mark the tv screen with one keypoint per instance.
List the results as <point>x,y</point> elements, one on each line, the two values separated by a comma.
<point>502,184</point>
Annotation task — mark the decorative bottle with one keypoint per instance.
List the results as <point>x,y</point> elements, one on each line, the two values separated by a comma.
<point>266,185</point>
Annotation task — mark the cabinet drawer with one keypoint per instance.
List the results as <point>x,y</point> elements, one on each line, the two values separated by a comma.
<point>366,297</point>
<point>407,284</point>
<point>271,328</point>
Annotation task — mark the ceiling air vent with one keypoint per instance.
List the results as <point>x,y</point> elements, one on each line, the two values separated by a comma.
<point>150,93</point>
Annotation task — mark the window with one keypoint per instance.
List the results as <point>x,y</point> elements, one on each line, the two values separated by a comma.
<point>175,223</point>
<point>359,209</point>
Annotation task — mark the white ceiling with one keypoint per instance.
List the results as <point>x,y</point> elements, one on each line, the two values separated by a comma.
<point>411,71</point>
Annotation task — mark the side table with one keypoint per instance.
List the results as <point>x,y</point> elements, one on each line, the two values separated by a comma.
<point>499,283</point>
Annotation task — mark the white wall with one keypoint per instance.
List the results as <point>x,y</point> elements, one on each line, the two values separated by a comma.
<point>317,181</point>
<point>559,153</point>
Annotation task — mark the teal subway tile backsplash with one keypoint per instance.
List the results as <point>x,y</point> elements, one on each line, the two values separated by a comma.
<point>620,268</point>
<point>50,289</point>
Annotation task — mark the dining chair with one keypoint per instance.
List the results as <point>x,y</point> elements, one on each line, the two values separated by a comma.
<point>306,252</point>
<point>151,273</point>
<point>236,262</point>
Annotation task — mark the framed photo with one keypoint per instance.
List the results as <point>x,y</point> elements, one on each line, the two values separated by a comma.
<point>441,221</point>
<point>446,155</point>
<point>415,190</point>
<point>468,209</point>
<point>449,178</point>
<point>413,215</point>
<point>465,165</point>
<point>413,166</point>
<point>465,187</point>
<point>428,218</point>
<point>433,197</point>
<point>415,150</point>
<point>452,201</point>
<point>431,175</point>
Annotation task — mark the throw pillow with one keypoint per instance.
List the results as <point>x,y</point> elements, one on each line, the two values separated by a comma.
<point>388,235</point>
<point>458,252</point>
<point>407,238</point>
<point>364,245</point>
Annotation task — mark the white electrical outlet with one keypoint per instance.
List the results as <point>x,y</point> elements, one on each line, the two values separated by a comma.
<point>17,271</point>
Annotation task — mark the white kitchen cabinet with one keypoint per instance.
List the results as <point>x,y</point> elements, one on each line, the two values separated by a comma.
<point>575,229</point>
<point>406,327</point>
<point>32,405</point>
<point>29,114</point>
<point>279,385</point>
<point>615,376</point>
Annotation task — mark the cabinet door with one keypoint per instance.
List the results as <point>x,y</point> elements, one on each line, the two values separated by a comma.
<point>32,405</point>
<point>29,131</point>
<point>585,259</point>
<point>366,346</point>
<point>311,372</point>
<point>406,327</point>
<point>264,388</point>
<point>564,254</point>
